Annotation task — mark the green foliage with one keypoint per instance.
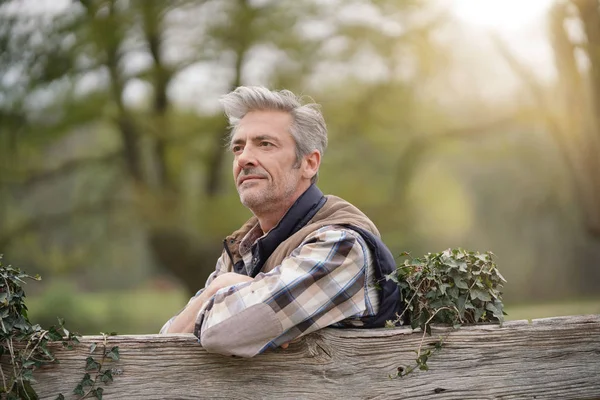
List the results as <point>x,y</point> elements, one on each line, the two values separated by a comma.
<point>452,287</point>
<point>87,387</point>
<point>24,344</point>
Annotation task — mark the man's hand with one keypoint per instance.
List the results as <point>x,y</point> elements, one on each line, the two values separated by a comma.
<point>186,320</point>
<point>227,279</point>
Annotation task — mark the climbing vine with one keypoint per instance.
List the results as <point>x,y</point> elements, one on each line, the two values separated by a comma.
<point>453,287</point>
<point>24,346</point>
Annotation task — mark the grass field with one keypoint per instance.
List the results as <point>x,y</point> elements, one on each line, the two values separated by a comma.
<point>552,309</point>
<point>145,311</point>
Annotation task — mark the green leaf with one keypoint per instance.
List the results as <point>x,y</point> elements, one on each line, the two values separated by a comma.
<point>27,375</point>
<point>461,305</point>
<point>491,307</point>
<point>87,380</point>
<point>93,347</point>
<point>98,393</point>
<point>54,335</point>
<point>29,392</point>
<point>460,283</point>
<point>478,313</point>
<point>78,390</point>
<point>91,364</point>
<point>443,287</point>
<point>106,376</point>
<point>480,294</point>
<point>114,353</point>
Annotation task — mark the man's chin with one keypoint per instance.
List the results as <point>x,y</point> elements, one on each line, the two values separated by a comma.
<point>250,196</point>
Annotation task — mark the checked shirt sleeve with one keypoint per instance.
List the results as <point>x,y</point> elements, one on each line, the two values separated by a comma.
<point>322,282</point>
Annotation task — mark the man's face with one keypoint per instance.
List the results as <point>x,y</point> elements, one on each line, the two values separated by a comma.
<point>264,166</point>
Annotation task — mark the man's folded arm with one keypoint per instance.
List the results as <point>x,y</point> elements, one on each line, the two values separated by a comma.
<point>167,327</point>
<point>322,282</point>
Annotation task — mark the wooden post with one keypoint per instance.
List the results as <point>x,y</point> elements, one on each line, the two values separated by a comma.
<point>553,358</point>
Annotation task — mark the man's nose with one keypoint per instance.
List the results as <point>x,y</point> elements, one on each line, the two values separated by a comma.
<point>246,157</point>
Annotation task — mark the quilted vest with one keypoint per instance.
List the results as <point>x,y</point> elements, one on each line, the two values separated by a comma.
<point>312,211</point>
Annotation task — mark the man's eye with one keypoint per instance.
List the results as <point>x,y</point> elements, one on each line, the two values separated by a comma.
<point>266,144</point>
<point>236,149</point>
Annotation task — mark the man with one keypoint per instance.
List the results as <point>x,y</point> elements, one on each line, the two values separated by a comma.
<point>304,261</point>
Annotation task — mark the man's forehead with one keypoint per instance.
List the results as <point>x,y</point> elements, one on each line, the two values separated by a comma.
<point>274,124</point>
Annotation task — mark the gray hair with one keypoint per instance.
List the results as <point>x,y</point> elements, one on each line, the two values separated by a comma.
<point>308,125</point>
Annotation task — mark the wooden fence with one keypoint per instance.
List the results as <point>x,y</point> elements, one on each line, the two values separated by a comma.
<point>553,358</point>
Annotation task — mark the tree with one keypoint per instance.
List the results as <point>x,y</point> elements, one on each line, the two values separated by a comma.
<point>573,116</point>
<point>162,165</point>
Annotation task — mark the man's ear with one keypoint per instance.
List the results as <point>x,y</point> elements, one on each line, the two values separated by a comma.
<point>311,164</point>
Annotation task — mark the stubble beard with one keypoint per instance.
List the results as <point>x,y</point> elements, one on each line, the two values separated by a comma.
<point>269,198</point>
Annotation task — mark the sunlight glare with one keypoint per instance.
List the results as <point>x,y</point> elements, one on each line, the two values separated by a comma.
<point>504,15</point>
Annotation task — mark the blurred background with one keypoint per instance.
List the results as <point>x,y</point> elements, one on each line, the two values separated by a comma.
<point>452,123</point>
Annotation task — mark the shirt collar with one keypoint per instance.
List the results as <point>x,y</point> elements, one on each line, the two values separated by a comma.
<point>298,215</point>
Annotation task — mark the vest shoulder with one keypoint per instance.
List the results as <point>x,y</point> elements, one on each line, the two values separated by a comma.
<point>337,211</point>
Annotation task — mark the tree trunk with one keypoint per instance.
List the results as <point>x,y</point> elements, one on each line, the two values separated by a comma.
<point>590,18</point>
<point>152,24</point>
<point>241,45</point>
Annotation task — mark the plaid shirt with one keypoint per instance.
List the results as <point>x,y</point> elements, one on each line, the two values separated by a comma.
<point>325,281</point>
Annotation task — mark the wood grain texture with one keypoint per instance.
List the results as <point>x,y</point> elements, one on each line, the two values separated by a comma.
<point>554,358</point>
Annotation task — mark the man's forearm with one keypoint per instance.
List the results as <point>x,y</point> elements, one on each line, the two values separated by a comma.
<point>186,320</point>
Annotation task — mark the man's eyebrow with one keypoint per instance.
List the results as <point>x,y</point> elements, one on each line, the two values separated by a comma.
<point>260,138</point>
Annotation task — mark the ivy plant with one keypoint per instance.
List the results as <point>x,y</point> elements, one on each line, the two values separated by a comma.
<point>23,344</point>
<point>452,287</point>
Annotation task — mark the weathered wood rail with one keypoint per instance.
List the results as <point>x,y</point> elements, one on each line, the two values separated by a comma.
<point>553,358</point>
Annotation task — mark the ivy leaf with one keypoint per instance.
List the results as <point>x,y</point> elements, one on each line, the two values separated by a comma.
<point>78,390</point>
<point>98,393</point>
<point>478,313</point>
<point>480,294</point>
<point>53,334</point>
<point>106,376</point>
<point>461,305</point>
<point>87,380</point>
<point>27,376</point>
<point>29,392</point>
<point>114,353</point>
<point>461,284</point>
<point>91,364</point>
